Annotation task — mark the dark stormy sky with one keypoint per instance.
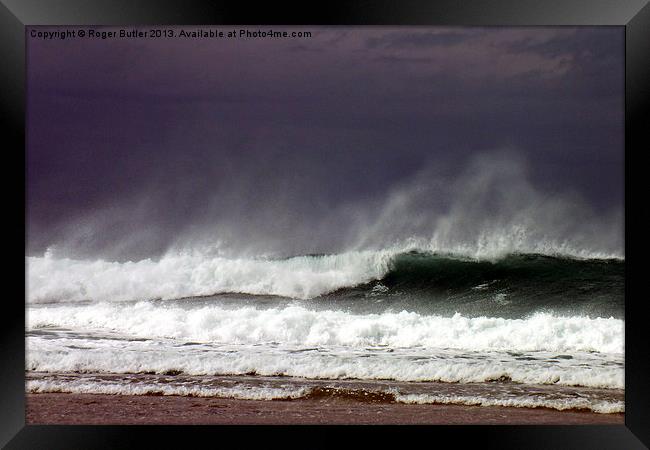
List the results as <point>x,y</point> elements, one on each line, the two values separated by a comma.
<point>302,145</point>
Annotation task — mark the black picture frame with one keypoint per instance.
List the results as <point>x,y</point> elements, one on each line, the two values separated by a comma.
<point>15,15</point>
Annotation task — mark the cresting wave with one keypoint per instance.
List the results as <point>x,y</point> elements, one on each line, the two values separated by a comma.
<point>178,276</point>
<point>305,277</point>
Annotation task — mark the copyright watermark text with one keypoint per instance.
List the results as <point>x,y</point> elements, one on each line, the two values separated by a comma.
<point>166,33</point>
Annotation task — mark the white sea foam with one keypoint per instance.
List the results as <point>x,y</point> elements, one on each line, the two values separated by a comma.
<point>100,356</point>
<point>293,392</point>
<point>302,326</point>
<point>192,390</point>
<point>296,341</point>
<point>599,406</point>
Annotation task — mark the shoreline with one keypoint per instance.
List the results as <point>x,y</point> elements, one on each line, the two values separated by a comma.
<point>107,409</point>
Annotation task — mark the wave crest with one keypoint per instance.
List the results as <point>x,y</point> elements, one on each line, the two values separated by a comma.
<point>187,275</point>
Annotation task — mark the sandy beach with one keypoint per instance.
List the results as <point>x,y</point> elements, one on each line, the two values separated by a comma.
<point>98,409</point>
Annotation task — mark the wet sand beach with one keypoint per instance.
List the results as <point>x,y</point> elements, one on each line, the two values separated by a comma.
<point>97,409</point>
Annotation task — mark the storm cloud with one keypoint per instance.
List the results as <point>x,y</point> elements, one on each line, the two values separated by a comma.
<point>300,145</point>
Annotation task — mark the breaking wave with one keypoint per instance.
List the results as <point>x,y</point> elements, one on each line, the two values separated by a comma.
<point>525,277</point>
<point>296,325</point>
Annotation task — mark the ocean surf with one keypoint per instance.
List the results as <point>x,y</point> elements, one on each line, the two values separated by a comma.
<point>403,326</point>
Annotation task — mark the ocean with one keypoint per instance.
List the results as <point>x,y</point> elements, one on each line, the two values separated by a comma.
<point>409,326</point>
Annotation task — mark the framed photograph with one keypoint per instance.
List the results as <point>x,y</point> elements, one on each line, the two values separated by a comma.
<point>360,214</point>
